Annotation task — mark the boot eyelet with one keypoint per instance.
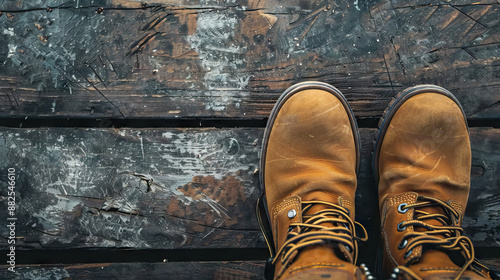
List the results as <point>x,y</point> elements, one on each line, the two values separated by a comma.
<point>292,213</point>
<point>400,208</point>
<point>402,244</point>
<point>348,211</point>
<point>408,253</point>
<point>348,248</point>
<point>401,227</point>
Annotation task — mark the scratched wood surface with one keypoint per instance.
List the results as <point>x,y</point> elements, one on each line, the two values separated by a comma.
<point>180,188</point>
<point>134,188</point>
<point>193,270</point>
<point>125,271</point>
<point>233,58</point>
<point>195,189</point>
<point>188,271</point>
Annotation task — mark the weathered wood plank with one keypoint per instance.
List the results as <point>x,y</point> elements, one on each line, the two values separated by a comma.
<point>192,270</point>
<point>448,44</point>
<point>142,188</point>
<point>234,58</point>
<point>493,263</point>
<point>482,220</point>
<point>180,270</point>
<point>179,188</point>
<point>169,270</point>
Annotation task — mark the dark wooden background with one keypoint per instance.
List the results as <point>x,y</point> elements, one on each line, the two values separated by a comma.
<point>135,128</point>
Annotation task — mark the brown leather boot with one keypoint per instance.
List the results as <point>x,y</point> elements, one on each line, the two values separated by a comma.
<point>309,161</point>
<point>422,161</point>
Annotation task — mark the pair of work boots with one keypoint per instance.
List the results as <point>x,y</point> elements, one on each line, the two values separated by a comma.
<point>422,161</point>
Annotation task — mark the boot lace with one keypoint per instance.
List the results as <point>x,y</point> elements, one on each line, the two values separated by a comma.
<point>312,231</point>
<point>447,236</point>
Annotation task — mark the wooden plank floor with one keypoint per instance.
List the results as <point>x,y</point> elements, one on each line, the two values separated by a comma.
<point>145,189</point>
<point>223,58</point>
<point>135,128</point>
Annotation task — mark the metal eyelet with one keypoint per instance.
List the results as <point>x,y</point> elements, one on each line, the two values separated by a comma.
<point>395,273</point>
<point>348,248</point>
<point>401,227</point>
<point>400,208</point>
<point>367,273</point>
<point>403,244</point>
<point>363,267</point>
<point>408,253</point>
<point>292,213</point>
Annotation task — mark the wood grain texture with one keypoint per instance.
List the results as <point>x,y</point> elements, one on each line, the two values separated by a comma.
<point>134,188</point>
<point>484,199</point>
<point>188,271</point>
<point>122,271</point>
<point>176,59</point>
<point>180,188</point>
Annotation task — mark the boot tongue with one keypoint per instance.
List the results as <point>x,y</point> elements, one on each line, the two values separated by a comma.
<point>325,251</point>
<point>431,210</point>
<point>319,196</point>
<point>430,258</point>
<point>327,197</point>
